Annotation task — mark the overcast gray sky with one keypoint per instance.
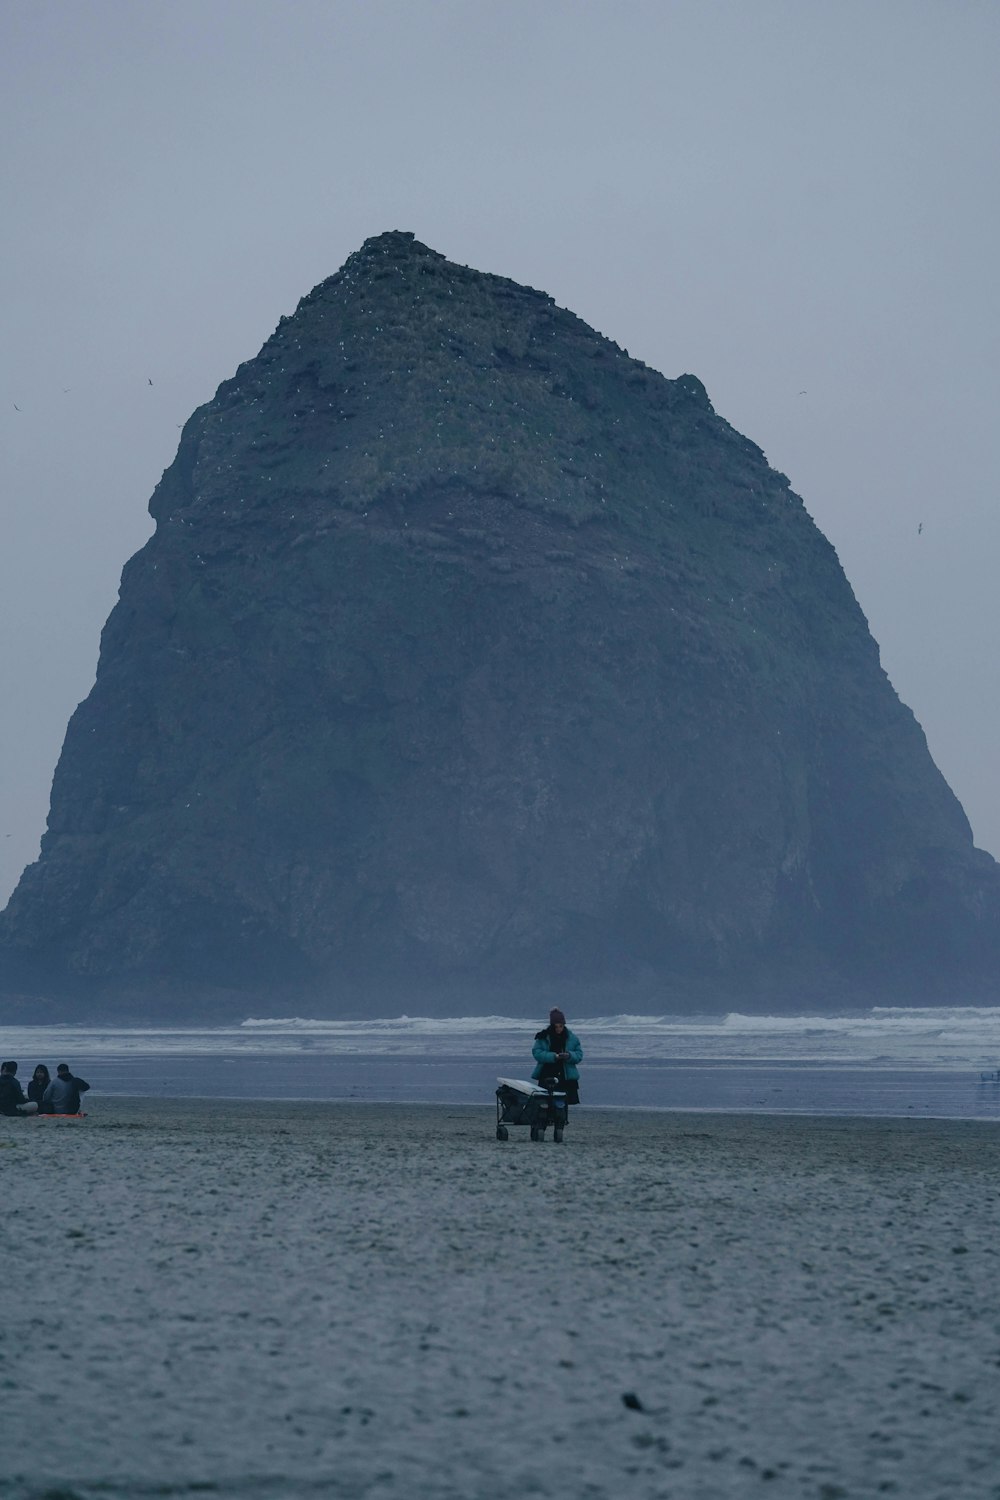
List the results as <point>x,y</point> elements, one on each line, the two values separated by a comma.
<point>795,201</point>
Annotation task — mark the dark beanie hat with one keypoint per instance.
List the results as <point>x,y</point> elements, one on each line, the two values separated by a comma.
<point>556,1018</point>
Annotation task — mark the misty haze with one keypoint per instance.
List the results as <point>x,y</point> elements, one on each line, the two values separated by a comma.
<point>498,979</point>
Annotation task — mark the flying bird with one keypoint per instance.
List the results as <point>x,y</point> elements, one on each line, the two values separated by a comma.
<point>15,406</point>
<point>150,382</point>
<point>920,528</point>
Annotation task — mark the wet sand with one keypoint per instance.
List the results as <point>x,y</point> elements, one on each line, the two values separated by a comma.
<point>383,1301</point>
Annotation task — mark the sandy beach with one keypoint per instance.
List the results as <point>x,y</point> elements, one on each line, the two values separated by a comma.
<point>383,1301</point>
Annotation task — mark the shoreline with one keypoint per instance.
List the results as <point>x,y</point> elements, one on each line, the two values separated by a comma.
<point>180,1100</point>
<point>881,1064</point>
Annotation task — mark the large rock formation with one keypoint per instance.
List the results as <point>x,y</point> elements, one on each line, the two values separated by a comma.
<point>474,665</point>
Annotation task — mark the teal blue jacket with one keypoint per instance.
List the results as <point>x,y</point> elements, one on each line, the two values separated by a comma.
<point>542,1052</point>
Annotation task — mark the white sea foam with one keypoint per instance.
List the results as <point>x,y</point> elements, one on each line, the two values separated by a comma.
<point>883,1037</point>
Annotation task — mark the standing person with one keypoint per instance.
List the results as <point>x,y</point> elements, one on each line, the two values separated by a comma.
<point>62,1097</point>
<point>40,1081</point>
<point>557,1052</point>
<point>12,1100</point>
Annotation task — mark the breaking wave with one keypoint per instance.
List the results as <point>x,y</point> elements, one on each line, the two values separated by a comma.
<point>883,1037</point>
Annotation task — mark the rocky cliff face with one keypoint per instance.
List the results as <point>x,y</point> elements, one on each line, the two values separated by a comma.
<point>474,665</point>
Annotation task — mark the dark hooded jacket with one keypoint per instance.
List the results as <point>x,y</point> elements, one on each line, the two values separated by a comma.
<point>36,1091</point>
<point>11,1094</point>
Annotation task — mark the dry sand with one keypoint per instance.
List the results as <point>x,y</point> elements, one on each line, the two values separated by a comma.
<point>382,1301</point>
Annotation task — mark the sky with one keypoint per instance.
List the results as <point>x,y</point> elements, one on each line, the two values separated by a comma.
<point>796,202</point>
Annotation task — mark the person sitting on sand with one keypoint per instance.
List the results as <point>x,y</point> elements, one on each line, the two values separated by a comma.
<point>12,1100</point>
<point>557,1052</point>
<point>62,1097</point>
<point>40,1081</point>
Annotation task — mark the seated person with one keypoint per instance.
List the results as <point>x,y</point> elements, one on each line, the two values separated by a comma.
<point>40,1081</point>
<point>12,1100</point>
<point>62,1097</point>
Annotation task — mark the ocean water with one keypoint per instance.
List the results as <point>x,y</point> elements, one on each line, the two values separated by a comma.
<point>883,1061</point>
